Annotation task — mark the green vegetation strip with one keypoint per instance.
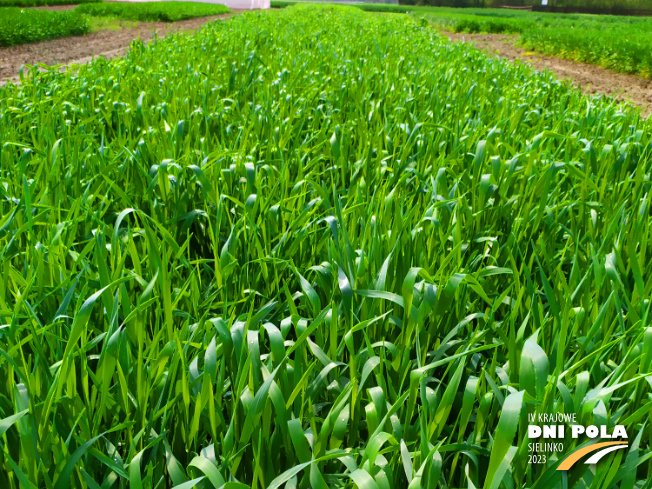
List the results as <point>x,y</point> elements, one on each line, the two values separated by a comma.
<point>23,26</point>
<point>318,248</point>
<point>41,3</point>
<point>152,11</point>
<point>20,26</point>
<point>598,5</point>
<point>621,44</point>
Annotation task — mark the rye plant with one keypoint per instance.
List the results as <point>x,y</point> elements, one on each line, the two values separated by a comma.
<point>21,26</point>
<point>317,248</point>
<point>152,11</point>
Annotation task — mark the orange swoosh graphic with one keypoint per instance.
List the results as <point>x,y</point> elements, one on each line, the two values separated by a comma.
<point>575,456</point>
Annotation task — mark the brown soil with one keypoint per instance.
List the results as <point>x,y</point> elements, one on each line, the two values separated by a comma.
<point>79,50</point>
<point>55,7</point>
<point>591,79</point>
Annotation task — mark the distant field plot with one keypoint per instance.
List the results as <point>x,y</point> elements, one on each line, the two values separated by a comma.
<point>602,6</point>
<point>41,3</point>
<point>619,43</point>
<point>152,11</point>
<point>624,46</point>
<point>20,26</point>
<point>318,248</point>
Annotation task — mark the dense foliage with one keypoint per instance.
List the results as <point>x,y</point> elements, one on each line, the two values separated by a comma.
<point>608,4</point>
<point>620,46</point>
<point>317,248</point>
<point>20,26</point>
<point>152,11</point>
<point>23,26</point>
<point>41,3</point>
<point>619,43</point>
<point>592,4</point>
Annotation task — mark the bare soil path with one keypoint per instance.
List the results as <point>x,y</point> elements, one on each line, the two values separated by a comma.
<point>82,49</point>
<point>55,7</point>
<point>590,78</point>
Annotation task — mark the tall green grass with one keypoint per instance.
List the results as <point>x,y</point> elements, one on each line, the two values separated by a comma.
<point>317,248</point>
<point>20,26</point>
<point>618,43</point>
<point>626,48</point>
<point>41,3</point>
<point>621,44</point>
<point>605,5</point>
<point>152,11</point>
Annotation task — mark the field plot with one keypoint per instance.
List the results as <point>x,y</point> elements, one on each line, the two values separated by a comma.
<point>153,11</point>
<point>318,248</point>
<point>618,43</point>
<point>22,26</point>
<point>589,78</point>
<point>41,3</point>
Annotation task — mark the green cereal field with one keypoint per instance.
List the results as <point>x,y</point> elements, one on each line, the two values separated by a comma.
<point>321,248</point>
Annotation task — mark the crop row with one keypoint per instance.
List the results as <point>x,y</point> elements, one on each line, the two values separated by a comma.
<point>618,43</point>
<point>318,248</point>
<point>621,44</point>
<point>153,11</point>
<point>41,3</point>
<point>20,26</point>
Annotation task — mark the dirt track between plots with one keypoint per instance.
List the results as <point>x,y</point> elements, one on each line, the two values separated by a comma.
<point>591,79</point>
<point>55,7</point>
<point>78,50</point>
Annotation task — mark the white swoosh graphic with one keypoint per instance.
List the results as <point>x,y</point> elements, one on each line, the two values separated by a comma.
<point>594,459</point>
